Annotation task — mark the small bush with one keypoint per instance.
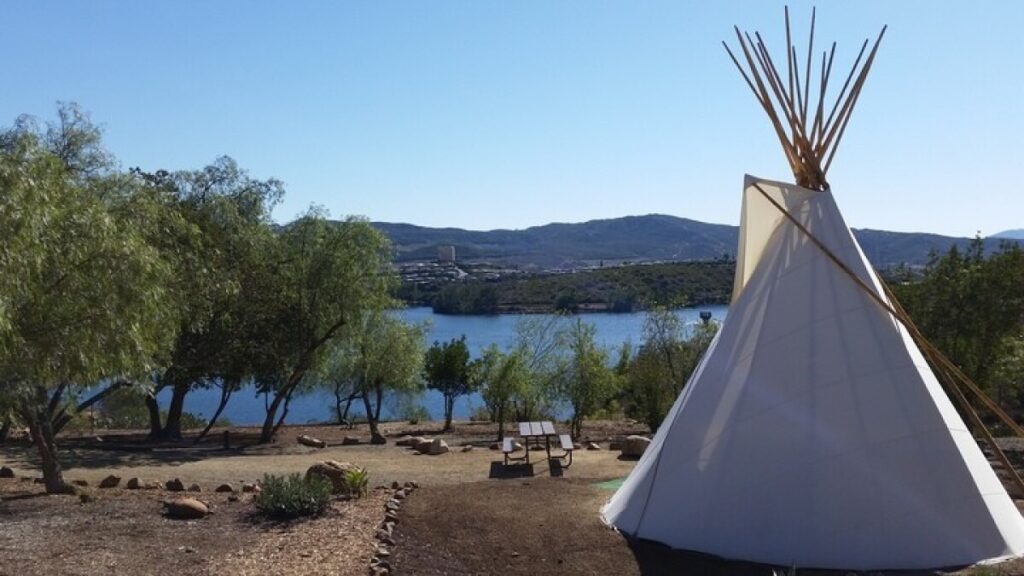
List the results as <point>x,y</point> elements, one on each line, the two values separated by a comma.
<point>481,414</point>
<point>293,496</point>
<point>357,480</point>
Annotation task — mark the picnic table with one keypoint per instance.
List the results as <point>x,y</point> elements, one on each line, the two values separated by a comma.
<point>536,431</point>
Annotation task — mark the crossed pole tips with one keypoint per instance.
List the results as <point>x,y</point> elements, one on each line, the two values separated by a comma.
<point>809,148</point>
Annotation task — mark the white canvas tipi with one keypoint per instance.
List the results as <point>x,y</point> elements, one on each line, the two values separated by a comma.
<point>813,433</point>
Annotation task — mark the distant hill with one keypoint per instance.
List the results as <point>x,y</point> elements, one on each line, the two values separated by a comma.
<point>655,237</point>
<point>1017,234</point>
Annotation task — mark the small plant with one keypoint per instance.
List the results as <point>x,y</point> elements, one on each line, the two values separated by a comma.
<point>292,496</point>
<point>357,480</point>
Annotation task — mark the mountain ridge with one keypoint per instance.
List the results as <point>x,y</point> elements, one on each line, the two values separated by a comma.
<point>635,239</point>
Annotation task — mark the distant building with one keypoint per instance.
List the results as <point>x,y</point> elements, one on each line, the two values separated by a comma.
<point>446,253</point>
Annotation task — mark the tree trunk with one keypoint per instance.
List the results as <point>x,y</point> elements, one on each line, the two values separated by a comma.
<point>5,430</point>
<point>371,418</point>
<point>155,427</point>
<point>40,428</point>
<point>225,394</point>
<point>449,407</point>
<point>337,404</point>
<point>501,421</point>
<point>267,432</point>
<point>172,427</point>
<point>284,413</point>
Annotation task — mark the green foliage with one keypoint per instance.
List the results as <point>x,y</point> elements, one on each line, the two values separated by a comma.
<point>446,368</point>
<point>971,307</point>
<point>660,368</point>
<point>500,377</point>
<point>378,353</point>
<point>357,480</point>
<point>319,279</point>
<point>292,496</point>
<point>123,409</point>
<point>619,289</point>
<point>585,381</point>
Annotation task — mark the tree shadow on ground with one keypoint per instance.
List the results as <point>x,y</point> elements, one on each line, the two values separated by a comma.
<point>656,559</point>
<point>72,457</point>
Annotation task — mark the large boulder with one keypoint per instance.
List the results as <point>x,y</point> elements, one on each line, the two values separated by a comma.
<point>335,472</point>
<point>185,509</point>
<point>310,441</point>
<point>437,447</point>
<point>6,472</point>
<point>634,446</point>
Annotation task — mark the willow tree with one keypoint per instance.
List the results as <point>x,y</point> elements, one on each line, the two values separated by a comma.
<point>378,354</point>
<point>82,296</point>
<point>318,278</point>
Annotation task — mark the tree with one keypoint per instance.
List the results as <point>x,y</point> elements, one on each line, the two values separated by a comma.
<point>970,305</point>
<point>446,369</point>
<point>539,343</point>
<point>500,377</point>
<point>319,277</point>
<point>586,382</point>
<point>82,296</point>
<point>663,363</point>
<point>213,224</point>
<point>378,354</point>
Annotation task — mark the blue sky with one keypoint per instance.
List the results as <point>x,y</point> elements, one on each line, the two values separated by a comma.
<point>512,114</point>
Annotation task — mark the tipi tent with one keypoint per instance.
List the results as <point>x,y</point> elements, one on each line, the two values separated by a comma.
<point>814,433</point>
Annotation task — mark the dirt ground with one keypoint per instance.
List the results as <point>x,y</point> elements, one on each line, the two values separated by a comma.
<point>470,516</point>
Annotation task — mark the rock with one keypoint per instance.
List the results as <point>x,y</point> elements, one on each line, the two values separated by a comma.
<point>225,488</point>
<point>185,509</point>
<point>412,484</point>
<point>7,472</point>
<point>233,498</point>
<point>349,441</point>
<point>404,441</point>
<point>175,485</point>
<point>616,443</point>
<point>395,485</point>
<point>133,484</point>
<point>310,441</point>
<point>251,488</point>
<point>467,448</point>
<point>400,495</point>
<point>423,447</point>
<point>593,446</point>
<point>86,497</point>
<point>634,446</point>
<point>110,481</point>
<point>438,447</point>
<point>81,483</point>
<point>335,472</point>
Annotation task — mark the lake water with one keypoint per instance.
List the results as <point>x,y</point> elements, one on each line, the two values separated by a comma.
<point>247,408</point>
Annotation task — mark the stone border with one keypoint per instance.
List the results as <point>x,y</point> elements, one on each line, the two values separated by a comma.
<point>380,564</point>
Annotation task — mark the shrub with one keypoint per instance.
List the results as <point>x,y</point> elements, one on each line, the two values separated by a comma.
<point>292,496</point>
<point>357,481</point>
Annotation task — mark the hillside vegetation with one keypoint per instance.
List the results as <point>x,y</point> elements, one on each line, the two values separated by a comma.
<point>615,289</point>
